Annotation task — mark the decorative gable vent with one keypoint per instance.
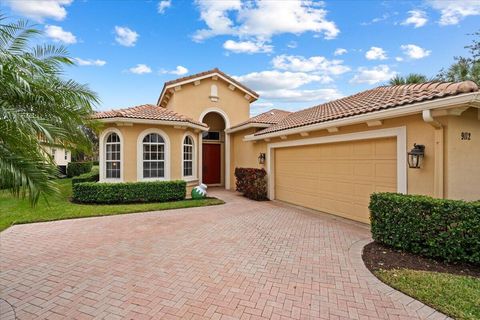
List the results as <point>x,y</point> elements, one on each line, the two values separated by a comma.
<point>214,93</point>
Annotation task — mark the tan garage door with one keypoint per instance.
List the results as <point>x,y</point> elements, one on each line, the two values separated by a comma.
<point>337,178</point>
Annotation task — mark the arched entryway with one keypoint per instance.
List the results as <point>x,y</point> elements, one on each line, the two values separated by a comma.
<point>213,149</point>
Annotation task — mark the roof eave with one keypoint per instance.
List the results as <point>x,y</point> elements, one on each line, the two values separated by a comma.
<point>248,126</point>
<point>471,99</point>
<point>254,95</point>
<point>152,121</point>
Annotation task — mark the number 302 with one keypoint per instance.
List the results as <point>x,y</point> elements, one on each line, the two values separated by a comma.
<point>466,136</point>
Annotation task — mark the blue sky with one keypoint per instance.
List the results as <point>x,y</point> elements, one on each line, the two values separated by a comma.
<point>296,54</point>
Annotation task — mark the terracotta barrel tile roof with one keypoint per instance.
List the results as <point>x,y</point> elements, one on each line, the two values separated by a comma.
<point>380,98</point>
<point>270,117</point>
<point>146,112</point>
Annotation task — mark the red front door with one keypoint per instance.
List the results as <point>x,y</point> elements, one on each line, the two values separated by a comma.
<point>211,163</point>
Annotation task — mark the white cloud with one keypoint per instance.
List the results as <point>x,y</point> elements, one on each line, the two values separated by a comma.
<point>278,80</point>
<point>292,44</point>
<point>253,19</point>
<point>264,104</point>
<point>125,36</point>
<point>374,75</point>
<point>58,34</point>
<point>340,51</point>
<point>315,64</point>
<point>140,69</point>
<point>399,59</point>
<point>179,71</point>
<point>415,52</point>
<point>40,9</point>
<point>376,53</point>
<point>417,18</point>
<point>452,12</point>
<point>247,47</point>
<point>163,5</point>
<point>90,62</point>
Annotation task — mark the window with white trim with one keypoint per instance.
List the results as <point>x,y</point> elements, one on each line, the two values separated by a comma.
<point>153,156</point>
<point>112,156</point>
<point>188,156</point>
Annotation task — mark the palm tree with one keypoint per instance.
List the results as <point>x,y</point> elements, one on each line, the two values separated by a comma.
<point>409,79</point>
<point>38,108</point>
<point>463,69</point>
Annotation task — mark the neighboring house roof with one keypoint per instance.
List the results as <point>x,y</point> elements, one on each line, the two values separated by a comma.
<point>203,75</point>
<point>262,120</point>
<point>370,101</point>
<point>147,112</point>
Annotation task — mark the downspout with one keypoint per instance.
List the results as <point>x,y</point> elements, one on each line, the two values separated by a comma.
<point>438,153</point>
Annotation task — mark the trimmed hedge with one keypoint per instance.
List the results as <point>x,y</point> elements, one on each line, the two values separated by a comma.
<point>252,183</point>
<point>129,192</point>
<point>436,228</point>
<point>77,168</point>
<point>92,176</point>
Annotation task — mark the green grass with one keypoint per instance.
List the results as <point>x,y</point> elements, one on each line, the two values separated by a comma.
<point>18,211</point>
<point>455,295</point>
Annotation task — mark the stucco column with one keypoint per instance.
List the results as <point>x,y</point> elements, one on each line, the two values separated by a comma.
<point>200,157</point>
<point>227,161</point>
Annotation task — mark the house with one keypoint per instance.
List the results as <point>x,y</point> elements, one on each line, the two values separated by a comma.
<point>61,157</point>
<point>330,157</point>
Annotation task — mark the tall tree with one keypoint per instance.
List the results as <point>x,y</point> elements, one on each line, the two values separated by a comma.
<point>409,79</point>
<point>465,68</point>
<point>38,108</point>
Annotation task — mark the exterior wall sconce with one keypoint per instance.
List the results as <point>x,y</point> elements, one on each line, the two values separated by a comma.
<point>261,158</point>
<point>415,156</point>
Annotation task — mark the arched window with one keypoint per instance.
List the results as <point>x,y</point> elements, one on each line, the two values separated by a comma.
<point>112,156</point>
<point>153,156</point>
<point>188,156</point>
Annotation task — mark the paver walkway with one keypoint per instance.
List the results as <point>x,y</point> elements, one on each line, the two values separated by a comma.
<point>241,260</point>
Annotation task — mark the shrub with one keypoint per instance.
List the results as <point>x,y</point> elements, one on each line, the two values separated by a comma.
<point>77,168</point>
<point>129,192</point>
<point>95,163</point>
<point>252,183</point>
<point>436,228</point>
<point>92,176</point>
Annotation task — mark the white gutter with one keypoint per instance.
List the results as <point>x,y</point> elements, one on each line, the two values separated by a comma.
<point>247,126</point>
<point>468,98</point>
<point>157,122</point>
<point>428,118</point>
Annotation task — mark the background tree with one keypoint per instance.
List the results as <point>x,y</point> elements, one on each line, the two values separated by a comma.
<point>465,68</point>
<point>409,79</point>
<point>38,107</point>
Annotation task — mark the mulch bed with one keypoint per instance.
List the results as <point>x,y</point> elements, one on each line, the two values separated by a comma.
<point>377,256</point>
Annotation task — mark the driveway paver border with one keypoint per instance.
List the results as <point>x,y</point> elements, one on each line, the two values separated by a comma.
<point>415,306</point>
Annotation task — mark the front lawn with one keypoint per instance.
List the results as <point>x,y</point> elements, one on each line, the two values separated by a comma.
<point>17,211</point>
<point>455,295</point>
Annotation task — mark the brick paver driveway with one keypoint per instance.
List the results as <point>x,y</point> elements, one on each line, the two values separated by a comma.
<point>244,259</point>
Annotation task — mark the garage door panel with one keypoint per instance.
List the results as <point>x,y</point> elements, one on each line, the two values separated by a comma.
<point>336,178</point>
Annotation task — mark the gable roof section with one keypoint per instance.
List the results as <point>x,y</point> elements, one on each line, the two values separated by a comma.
<point>263,120</point>
<point>150,113</point>
<point>204,75</point>
<point>370,101</point>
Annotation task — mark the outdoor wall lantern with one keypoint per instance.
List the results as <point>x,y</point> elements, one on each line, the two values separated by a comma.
<point>415,156</point>
<point>261,158</point>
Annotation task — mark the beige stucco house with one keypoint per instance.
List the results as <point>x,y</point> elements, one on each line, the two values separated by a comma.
<point>330,157</point>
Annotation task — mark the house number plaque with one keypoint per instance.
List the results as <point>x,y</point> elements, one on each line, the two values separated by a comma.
<point>466,136</point>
